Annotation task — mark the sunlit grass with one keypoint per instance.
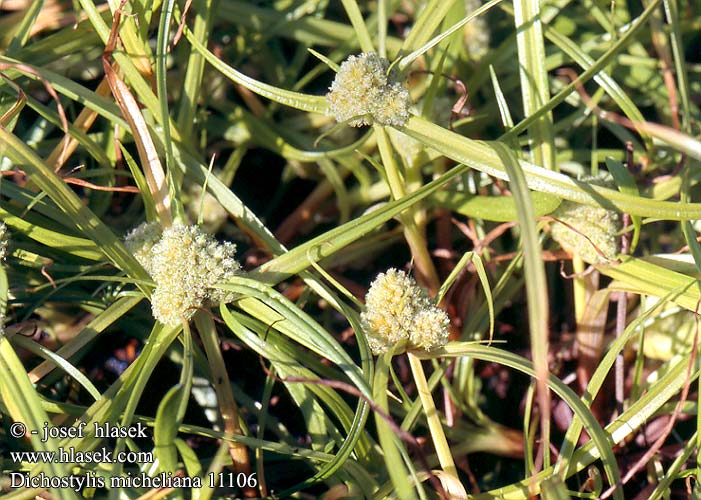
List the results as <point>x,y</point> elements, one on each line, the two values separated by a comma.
<point>446,155</point>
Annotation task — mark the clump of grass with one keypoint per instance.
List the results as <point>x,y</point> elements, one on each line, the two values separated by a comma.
<point>477,130</point>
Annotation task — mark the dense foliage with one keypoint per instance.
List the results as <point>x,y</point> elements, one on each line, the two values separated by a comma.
<point>342,249</point>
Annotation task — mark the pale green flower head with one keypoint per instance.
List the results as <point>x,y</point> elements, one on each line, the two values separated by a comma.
<point>140,240</point>
<point>430,329</point>
<point>185,263</point>
<point>363,93</point>
<point>601,226</point>
<point>399,314</point>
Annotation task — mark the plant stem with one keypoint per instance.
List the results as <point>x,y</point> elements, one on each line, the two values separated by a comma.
<point>580,288</point>
<point>396,469</point>
<point>434,423</point>
<point>222,387</point>
<point>425,270</point>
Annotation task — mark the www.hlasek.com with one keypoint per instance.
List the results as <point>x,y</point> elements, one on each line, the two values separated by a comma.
<point>72,456</point>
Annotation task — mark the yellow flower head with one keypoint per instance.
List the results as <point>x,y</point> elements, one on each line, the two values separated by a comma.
<point>430,329</point>
<point>398,314</point>
<point>185,263</point>
<point>364,93</point>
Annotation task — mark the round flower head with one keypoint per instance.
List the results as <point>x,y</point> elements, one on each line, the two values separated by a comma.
<point>363,93</point>
<point>600,226</point>
<point>185,263</point>
<point>140,240</point>
<point>393,105</point>
<point>429,329</point>
<point>398,313</point>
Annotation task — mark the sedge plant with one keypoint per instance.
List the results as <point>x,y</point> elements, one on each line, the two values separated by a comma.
<point>249,227</point>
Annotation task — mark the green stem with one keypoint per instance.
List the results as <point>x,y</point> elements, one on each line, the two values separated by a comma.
<point>425,270</point>
<point>396,469</point>
<point>434,422</point>
<point>222,388</point>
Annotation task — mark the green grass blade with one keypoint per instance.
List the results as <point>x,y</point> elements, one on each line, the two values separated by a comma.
<point>427,23</point>
<point>450,280</point>
<point>361,30</point>
<point>672,12</point>
<point>174,175</point>
<point>80,247</point>
<point>43,352</point>
<point>626,425</point>
<point>192,84</point>
<point>285,362</point>
<point>536,288</point>
<point>328,243</point>
<point>166,429</point>
<point>389,441</point>
<point>314,104</point>
<point>308,30</point>
<point>74,91</point>
<point>281,314</point>
<point>406,61</point>
<point>626,184</point>
<point>493,208</point>
<point>24,28</point>
<point>535,90</point>
<point>597,380</point>
<point>23,405</point>
<point>503,106</point>
<point>612,88</point>
<point>600,439</point>
<point>482,156</point>
<point>85,221</point>
<point>484,280</point>
<point>640,276</point>
<point>71,350</point>
<point>589,73</point>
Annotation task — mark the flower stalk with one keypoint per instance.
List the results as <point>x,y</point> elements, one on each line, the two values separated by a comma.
<point>398,316</point>
<point>435,427</point>
<point>425,270</point>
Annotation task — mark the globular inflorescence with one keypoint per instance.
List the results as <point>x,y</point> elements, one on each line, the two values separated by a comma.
<point>364,93</point>
<point>399,314</point>
<point>140,241</point>
<point>185,263</point>
<point>589,232</point>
